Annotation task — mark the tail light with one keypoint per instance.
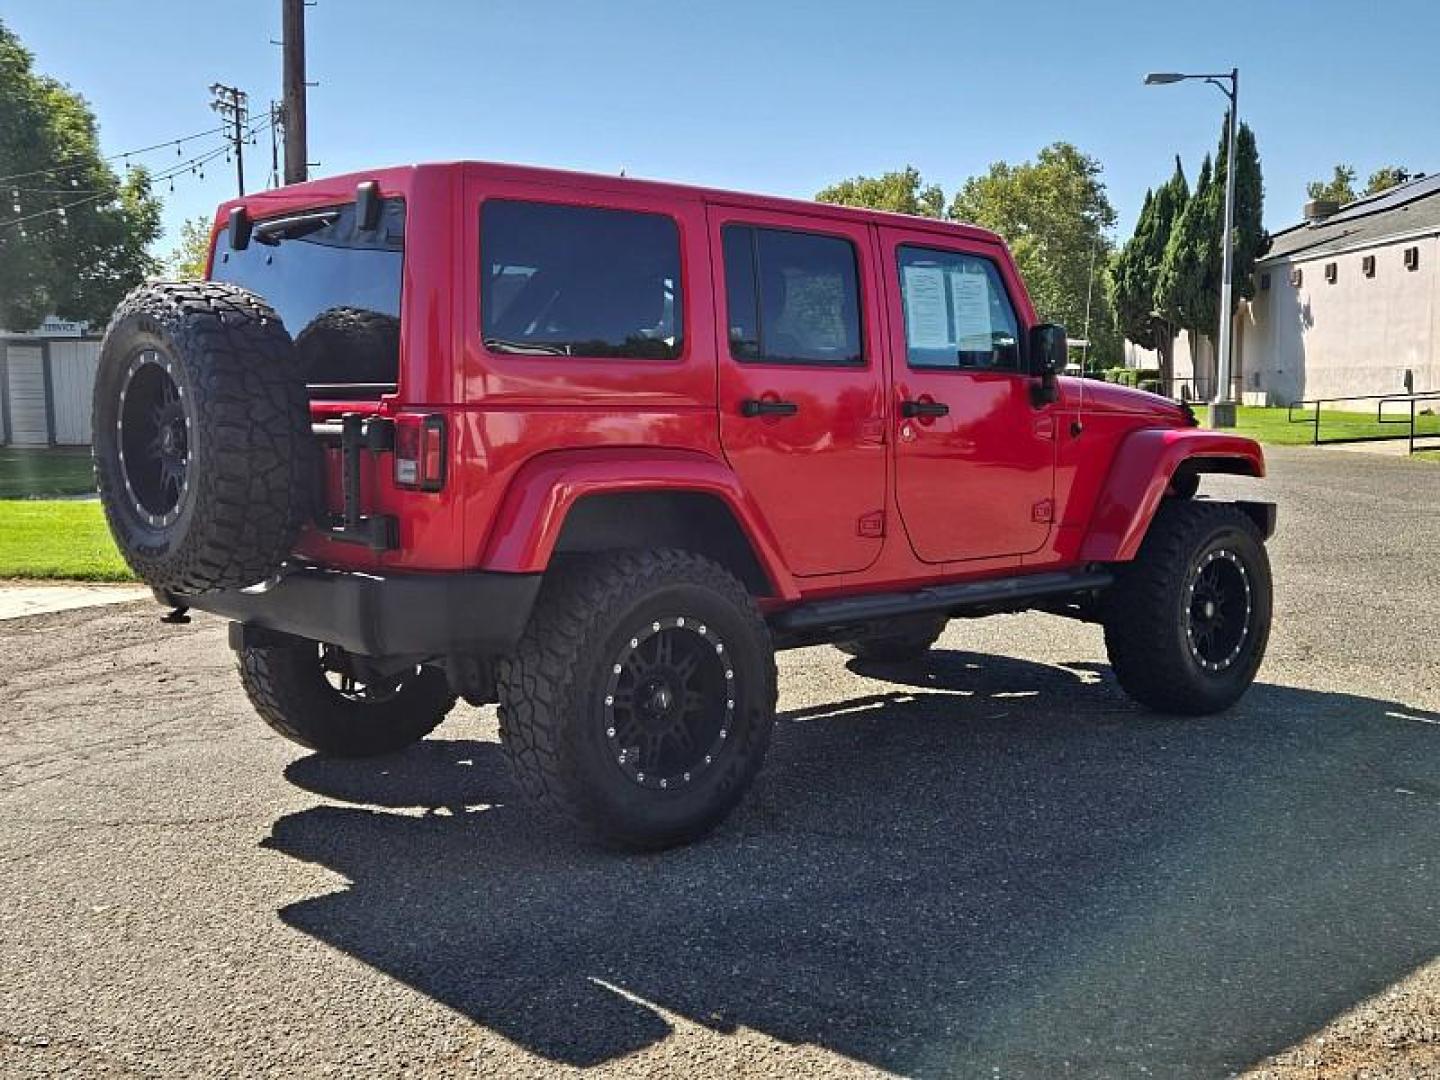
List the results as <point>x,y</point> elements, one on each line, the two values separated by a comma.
<point>420,452</point>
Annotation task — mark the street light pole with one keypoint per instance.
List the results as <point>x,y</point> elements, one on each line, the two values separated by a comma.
<point>1222,406</point>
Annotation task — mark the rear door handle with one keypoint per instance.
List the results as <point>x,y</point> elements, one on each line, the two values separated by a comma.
<point>767,407</point>
<point>910,409</point>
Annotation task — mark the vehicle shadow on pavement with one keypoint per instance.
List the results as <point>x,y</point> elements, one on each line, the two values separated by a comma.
<point>984,863</point>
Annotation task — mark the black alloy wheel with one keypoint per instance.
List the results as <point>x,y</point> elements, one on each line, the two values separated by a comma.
<point>156,436</point>
<point>1220,610</point>
<point>1187,620</point>
<point>640,701</point>
<point>669,703</point>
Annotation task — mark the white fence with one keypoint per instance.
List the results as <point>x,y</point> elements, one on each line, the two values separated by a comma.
<point>45,388</point>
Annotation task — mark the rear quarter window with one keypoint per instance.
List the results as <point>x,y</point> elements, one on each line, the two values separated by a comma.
<point>579,281</point>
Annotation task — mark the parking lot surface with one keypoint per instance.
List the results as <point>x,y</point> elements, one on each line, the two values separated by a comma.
<point>988,864</point>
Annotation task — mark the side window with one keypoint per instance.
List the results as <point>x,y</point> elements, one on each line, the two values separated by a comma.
<point>792,297</point>
<point>579,281</point>
<point>957,313</point>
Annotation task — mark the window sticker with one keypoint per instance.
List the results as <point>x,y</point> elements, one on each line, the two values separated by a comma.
<point>970,296</point>
<point>926,318</point>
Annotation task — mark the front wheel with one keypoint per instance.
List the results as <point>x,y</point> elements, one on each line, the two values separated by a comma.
<point>640,700</point>
<point>1187,622</point>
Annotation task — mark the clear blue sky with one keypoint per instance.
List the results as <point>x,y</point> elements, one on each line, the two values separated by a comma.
<point>770,96</point>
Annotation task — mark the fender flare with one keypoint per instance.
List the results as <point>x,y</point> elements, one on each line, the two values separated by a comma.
<point>542,492</point>
<point>1144,463</point>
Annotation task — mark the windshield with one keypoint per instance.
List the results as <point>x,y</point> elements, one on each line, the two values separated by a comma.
<point>335,286</point>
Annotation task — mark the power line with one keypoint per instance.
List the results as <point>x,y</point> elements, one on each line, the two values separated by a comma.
<point>114,157</point>
<point>194,165</point>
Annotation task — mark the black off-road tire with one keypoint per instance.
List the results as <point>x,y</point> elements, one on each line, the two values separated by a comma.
<point>350,345</point>
<point>287,684</point>
<point>554,708</point>
<point>1147,612</point>
<point>903,644</point>
<point>250,471</point>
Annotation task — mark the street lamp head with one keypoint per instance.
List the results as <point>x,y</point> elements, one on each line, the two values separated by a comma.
<point>1161,78</point>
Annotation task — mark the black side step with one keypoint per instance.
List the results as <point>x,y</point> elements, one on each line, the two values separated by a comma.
<point>955,599</point>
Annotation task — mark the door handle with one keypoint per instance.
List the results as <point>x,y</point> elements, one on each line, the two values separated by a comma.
<point>909,409</point>
<point>767,407</point>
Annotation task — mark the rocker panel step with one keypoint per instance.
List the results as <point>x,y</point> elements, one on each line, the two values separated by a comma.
<point>950,599</point>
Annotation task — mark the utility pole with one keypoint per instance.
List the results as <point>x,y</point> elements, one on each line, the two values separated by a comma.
<point>293,51</point>
<point>233,104</point>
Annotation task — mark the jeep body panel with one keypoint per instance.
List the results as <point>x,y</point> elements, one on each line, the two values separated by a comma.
<point>537,505</point>
<point>1144,464</point>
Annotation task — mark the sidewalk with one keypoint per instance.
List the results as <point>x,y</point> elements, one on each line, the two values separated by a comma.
<point>17,601</point>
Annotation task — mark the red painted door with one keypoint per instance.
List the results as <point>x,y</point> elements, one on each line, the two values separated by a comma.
<point>801,383</point>
<point>974,457</point>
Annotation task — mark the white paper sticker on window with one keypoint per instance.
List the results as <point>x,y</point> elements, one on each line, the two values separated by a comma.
<point>926,320</point>
<point>970,293</point>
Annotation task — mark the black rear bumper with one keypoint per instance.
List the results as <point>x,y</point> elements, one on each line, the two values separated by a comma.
<point>472,614</point>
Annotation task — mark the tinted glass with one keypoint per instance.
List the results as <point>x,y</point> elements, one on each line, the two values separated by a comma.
<point>336,288</point>
<point>741,303</point>
<point>792,297</point>
<point>579,281</point>
<point>957,313</point>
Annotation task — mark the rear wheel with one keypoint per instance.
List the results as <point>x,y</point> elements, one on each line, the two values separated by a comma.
<point>315,696</point>
<point>897,642</point>
<point>1187,622</point>
<point>640,700</point>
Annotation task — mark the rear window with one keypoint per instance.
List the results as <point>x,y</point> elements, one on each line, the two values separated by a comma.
<point>579,281</point>
<point>335,286</point>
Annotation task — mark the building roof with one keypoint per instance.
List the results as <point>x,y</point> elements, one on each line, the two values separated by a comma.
<point>1411,207</point>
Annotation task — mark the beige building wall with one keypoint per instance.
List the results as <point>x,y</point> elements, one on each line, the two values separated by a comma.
<point>1357,336</point>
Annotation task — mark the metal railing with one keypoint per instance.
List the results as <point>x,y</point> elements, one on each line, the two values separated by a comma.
<point>1343,429</point>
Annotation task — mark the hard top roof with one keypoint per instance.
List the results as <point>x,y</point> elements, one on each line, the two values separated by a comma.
<point>402,178</point>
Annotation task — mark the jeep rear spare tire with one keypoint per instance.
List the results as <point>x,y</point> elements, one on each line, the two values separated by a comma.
<point>203,452</point>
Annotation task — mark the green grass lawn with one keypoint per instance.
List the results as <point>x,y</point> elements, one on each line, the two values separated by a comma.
<point>29,474</point>
<point>51,540</point>
<point>1273,425</point>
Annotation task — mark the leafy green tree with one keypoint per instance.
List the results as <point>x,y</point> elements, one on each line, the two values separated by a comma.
<point>1187,285</point>
<point>187,261</point>
<point>1187,289</point>
<point>73,235</point>
<point>902,192</point>
<point>1135,273</point>
<point>1054,213</point>
<point>1386,177</point>
<point>1340,187</point>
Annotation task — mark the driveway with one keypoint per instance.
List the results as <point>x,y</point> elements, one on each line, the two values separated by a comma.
<point>990,864</point>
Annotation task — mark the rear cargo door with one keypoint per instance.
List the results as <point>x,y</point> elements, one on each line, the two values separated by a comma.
<point>801,384</point>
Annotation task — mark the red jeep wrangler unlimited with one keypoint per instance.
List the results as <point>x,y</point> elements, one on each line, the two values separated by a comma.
<point>594,448</point>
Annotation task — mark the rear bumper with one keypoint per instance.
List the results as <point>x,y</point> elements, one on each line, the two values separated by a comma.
<point>473,614</point>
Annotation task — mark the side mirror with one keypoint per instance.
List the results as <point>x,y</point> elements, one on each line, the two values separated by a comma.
<point>1047,356</point>
<point>1049,352</point>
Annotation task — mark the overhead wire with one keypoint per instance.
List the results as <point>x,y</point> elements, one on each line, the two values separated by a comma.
<point>194,165</point>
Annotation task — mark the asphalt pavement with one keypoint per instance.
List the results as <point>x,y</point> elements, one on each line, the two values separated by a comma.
<point>988,864</point>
